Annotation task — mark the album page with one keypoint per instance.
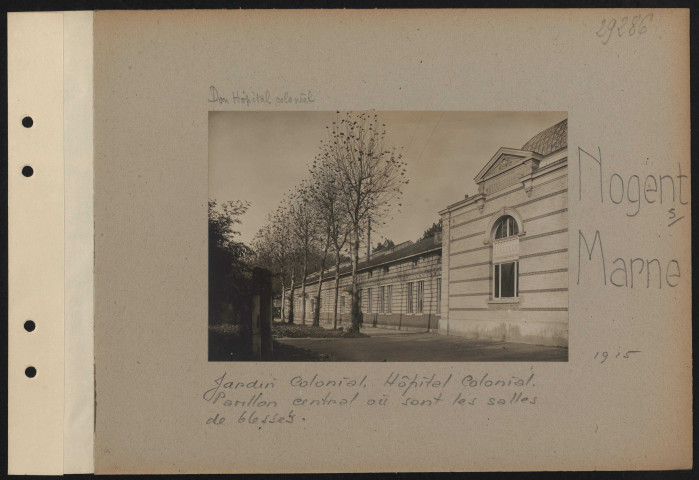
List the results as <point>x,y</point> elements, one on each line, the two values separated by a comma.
<point>387,240</point>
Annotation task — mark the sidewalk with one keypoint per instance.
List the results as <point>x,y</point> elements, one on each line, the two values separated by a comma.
<point>385,345</point>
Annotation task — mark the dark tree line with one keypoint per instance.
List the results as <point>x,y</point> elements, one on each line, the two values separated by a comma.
<point>230,269</point>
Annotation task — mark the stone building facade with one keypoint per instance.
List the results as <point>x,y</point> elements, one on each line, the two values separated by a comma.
<point>499,270</point>
<point>400,288</point>
<point>505,249</point>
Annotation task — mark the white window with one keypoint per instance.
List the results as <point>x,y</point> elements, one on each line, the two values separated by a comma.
<point>506,227</point>
<point>368,300</point>
<point>505,280</point>
<point>505,258</point>
<point>409,295</point>
<point>382,299</point>
<point>420,296</point>
<point>389,298</point>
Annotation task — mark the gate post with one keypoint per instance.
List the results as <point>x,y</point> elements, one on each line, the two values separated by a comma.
<point>262,312</point>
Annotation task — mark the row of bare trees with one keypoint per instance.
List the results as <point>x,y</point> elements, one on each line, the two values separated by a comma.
<point>354,180</point>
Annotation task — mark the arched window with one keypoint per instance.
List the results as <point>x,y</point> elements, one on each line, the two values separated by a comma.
<point>506,227</point>
<point>505,258</point>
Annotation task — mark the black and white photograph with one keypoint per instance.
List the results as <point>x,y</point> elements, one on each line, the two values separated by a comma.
<point>388,236</point>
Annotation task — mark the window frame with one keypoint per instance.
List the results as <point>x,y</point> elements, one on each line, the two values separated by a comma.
<point>505,229</point>
<point>389,299</point>
<point>510,225</point>
<point>368,296</point>
<point>382,305</point>
<point>497,281</point>
<point>420,293</point>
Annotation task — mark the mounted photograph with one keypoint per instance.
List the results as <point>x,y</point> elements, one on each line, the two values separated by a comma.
<point>388,236</point>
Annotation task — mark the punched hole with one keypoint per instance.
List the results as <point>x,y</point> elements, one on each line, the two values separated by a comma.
<point>29,326</point>
<point>30,372</point>
<point>27,171</point>
<point>27,122</point>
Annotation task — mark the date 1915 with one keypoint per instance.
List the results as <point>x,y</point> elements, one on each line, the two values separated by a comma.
<point>635,25</point>
<point>604,356</point>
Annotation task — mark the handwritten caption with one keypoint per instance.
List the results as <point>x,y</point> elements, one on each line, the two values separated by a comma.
<point>249,98</point>
<point>635,25</point>
<point>634,196</point>
<point>604,356</point>
<point>261,402</point>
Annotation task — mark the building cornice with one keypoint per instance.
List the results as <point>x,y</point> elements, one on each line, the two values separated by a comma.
<point>537,173</point>
<point>366,268</point>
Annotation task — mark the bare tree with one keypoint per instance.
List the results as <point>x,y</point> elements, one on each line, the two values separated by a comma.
<point>304,228</point>
<point>275,249</point>
<point>370,176</point>
<point>326,200</point>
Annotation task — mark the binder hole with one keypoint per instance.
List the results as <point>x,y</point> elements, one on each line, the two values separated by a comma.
<point>30,372</point>
<point>27,122</point>
<point>29,326</point>
<point>27,171</point>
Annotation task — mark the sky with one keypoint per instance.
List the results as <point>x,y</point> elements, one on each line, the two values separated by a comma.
<point>258,156</point>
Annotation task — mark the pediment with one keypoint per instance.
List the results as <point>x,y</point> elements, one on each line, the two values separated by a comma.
<point>503,163</point>
<point>504,160</point>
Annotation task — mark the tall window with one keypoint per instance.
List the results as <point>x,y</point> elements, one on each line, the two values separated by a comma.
<point>439,295</point>
<point>505,280</point>
<point>505,258</point>
<point>382,299</point>
<point>342,304</point>
<point>409,295</point>
<point>389,298</point>
<point>506,227</point>
<point>368,300</point>
<point>420,296</point>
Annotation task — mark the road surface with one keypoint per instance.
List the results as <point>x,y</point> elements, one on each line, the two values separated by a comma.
<point>385,345</point>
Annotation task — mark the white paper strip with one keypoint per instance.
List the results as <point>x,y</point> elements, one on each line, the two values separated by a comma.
<point>77,115</point>
<point>35,243</point>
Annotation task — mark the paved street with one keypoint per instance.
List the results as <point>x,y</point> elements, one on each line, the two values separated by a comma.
<point>384,345</point>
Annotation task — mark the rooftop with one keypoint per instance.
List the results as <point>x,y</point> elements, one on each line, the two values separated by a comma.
<point>399,252</point>
<point>550,140</point>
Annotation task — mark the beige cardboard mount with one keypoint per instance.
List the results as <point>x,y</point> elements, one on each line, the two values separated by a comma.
<point>143,80</point>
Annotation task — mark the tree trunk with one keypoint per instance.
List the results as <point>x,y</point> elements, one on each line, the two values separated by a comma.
<point>337,288</point>
<point>283,313</point>
<point>356,320</point>
<point>303,290</point>
<point>316,313</point>
<point>291,300</point>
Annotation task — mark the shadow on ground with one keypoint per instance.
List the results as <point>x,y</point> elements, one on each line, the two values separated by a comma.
<point>230,343</point>
<point>305,343</point>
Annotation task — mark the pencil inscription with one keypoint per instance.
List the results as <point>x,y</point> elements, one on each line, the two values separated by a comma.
<point>259,97</point>
<point>629,26</point>
<point>631,196</point>
<point>241,403</point>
